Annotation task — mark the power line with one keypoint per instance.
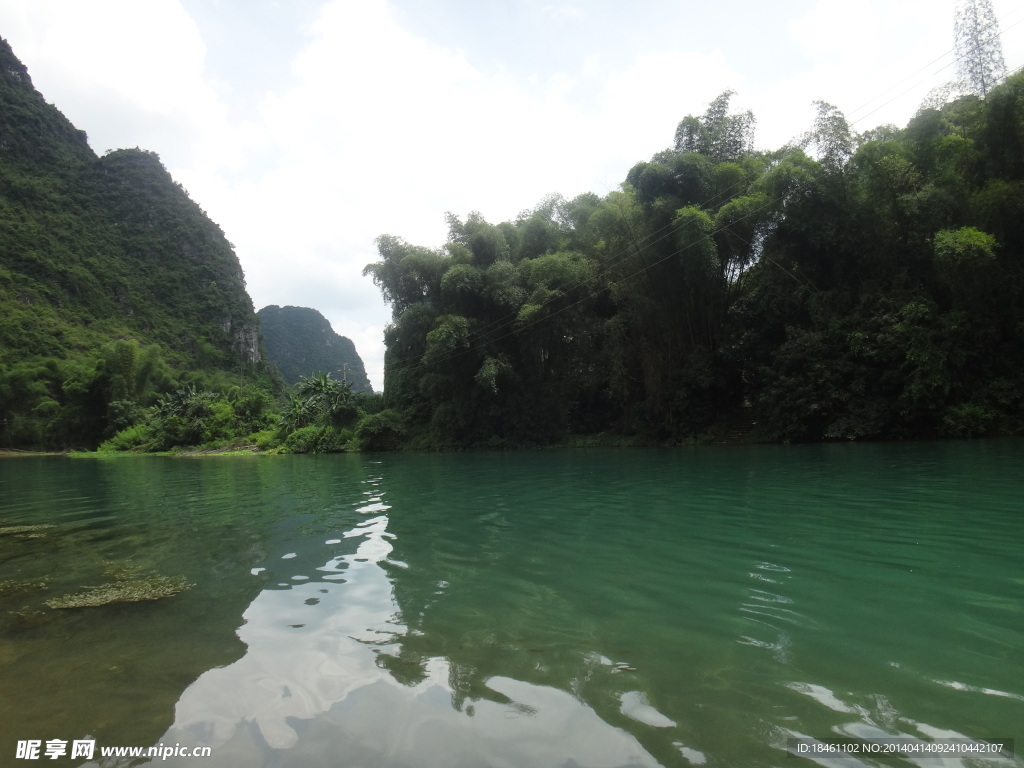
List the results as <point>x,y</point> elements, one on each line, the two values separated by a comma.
<point>918,84</point>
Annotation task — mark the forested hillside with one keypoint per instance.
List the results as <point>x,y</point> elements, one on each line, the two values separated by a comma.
<point>300,341</point>
<point>114,286</point>
<point>845,287</point>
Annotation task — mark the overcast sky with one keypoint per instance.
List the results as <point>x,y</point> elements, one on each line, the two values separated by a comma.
<point>307,128</point>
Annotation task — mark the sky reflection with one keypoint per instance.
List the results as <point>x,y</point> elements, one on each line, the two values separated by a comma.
<point>314,688</point>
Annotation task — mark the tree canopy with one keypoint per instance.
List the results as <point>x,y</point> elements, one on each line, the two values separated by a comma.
<point>854,286</point>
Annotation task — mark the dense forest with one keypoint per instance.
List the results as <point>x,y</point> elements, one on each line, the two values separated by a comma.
<point>847,286</point>
<point>299,340</point>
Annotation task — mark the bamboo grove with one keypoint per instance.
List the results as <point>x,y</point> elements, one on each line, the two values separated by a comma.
<point>847,286</point>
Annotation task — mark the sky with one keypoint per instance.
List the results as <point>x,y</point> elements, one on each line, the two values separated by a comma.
<point>308,128</point>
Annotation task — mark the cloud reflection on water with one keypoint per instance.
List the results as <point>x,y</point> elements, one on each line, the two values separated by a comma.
<point>313,688</point>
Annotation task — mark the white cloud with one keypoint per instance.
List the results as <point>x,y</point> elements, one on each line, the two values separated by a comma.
<point>876,61</point>
<point>379,132</point>
<point>563,11</point>
<point>641,106</point>
<point>129,73</point>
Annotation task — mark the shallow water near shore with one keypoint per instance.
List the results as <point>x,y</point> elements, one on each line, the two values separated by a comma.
<point>575,608</point>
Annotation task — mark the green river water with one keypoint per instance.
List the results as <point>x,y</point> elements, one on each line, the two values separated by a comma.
<point>578,609</point>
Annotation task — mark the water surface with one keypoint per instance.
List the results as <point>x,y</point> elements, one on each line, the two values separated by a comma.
<point>588,608</point>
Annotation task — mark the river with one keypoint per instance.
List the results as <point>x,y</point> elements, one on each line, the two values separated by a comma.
<point>592,608</point>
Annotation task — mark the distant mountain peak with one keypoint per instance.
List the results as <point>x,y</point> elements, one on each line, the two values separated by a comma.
<point>301,341</point>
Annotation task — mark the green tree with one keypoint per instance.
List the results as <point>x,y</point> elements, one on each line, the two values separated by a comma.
<point>327,401</point>
<point>406,274</point>
<point>717,135</point>
<point>831,137</point>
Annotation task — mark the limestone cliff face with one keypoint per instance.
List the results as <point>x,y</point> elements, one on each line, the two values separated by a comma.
<point>245,340</point>
<point>300,341</point>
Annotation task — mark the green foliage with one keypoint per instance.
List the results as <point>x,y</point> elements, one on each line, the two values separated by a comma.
<point>318,439</point>
<point>384,431</point>
<point>323,415</point>
<point>407,274</point>
<point>966,265</point>
<point>368,402</point>
<point>112,282</point>
<point>964,250</point>
<point>327,401</point>
<point>266,440</point>
<point>967,420</point>
<point>717,135</point>
<point>138,437</point>
<point>462,286</point>
<point>447,339</point>
<point>252,407</point>
<point>831,137</point>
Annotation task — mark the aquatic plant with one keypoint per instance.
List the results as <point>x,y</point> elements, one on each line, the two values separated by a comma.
<point>8,586</point>
<point>131,584</point>
<point>24,531</point>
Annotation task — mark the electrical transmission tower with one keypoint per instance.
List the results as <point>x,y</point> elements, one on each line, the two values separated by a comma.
<point>979,51</point>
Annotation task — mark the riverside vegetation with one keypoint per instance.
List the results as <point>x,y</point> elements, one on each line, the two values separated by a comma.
<point>846,286</point>
<point>869,289</point>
